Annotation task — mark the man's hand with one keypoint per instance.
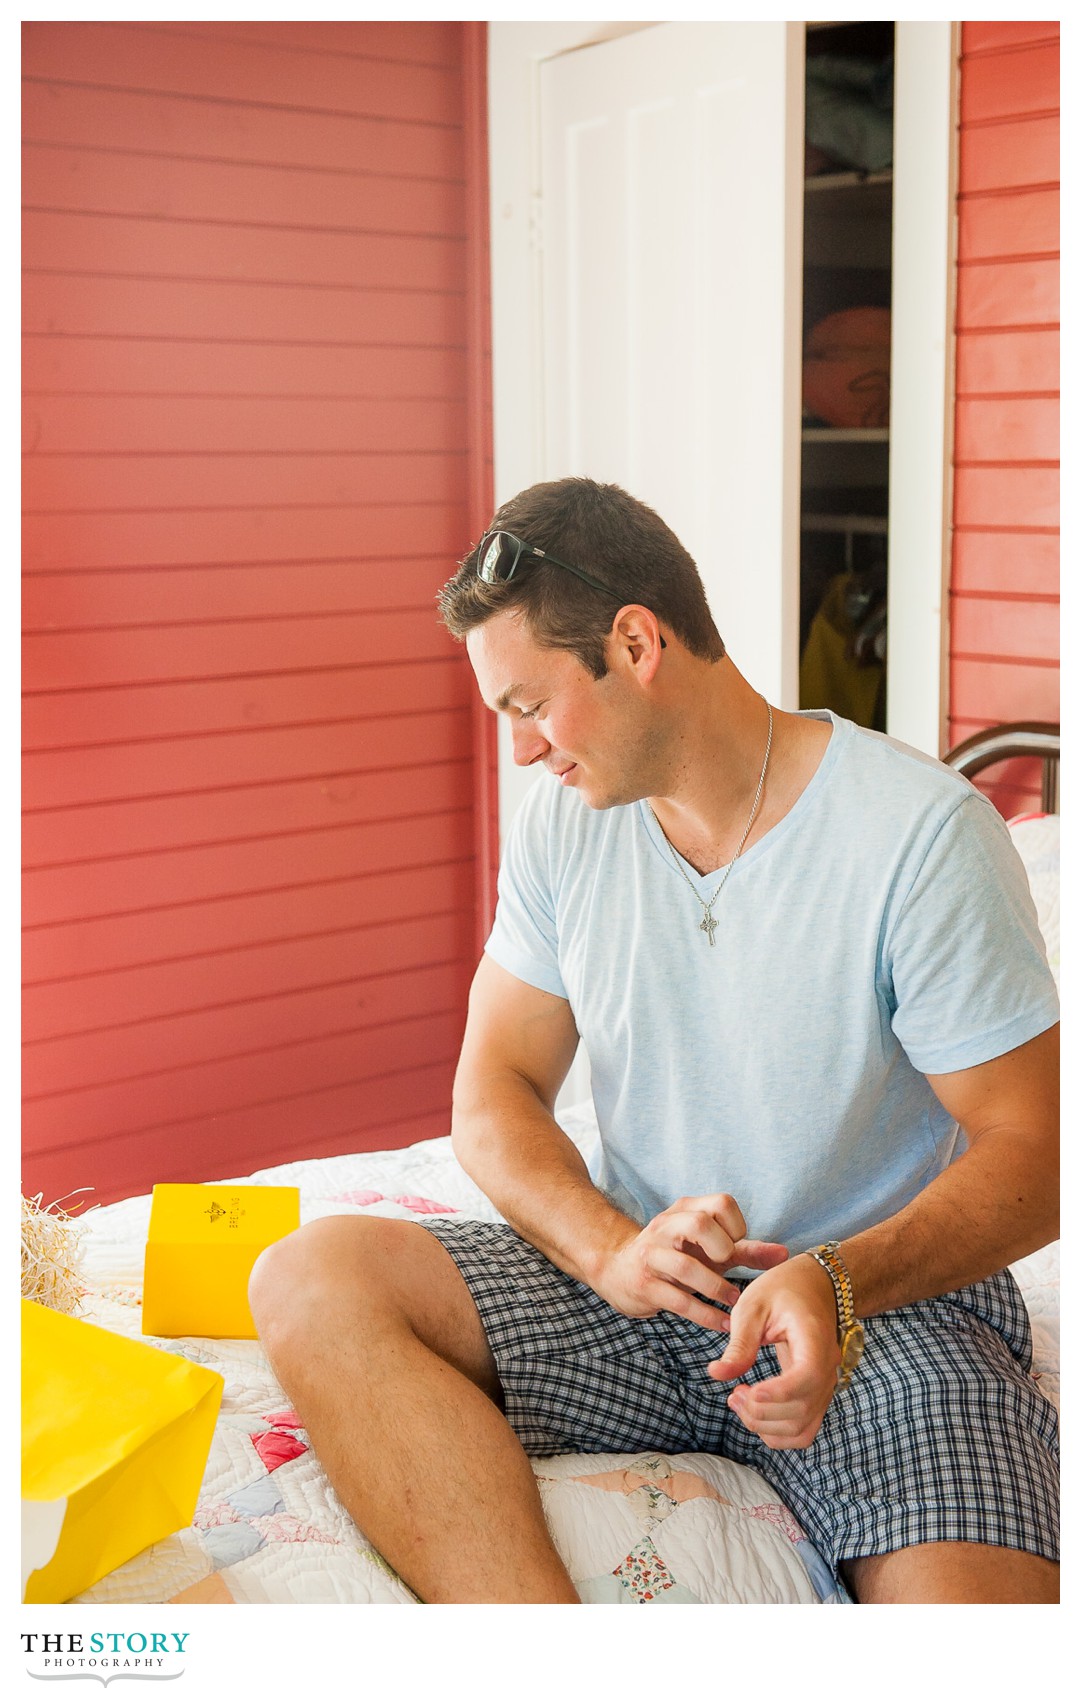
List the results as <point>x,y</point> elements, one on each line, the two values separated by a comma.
<point>684,1251</point>
<point>794,1310</point>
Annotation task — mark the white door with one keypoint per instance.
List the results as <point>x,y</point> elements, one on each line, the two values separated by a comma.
<point>671,239</point>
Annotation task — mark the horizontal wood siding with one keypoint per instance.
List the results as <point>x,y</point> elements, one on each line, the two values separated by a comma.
<point>254,443</point>
<point>1004,593</point>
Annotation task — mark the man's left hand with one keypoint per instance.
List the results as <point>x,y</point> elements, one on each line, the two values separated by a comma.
<point>793,1309</point>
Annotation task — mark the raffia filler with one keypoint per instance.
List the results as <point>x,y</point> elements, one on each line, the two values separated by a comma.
<point>51,1255</point>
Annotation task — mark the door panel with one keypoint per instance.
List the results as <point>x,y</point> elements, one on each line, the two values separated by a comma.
<point>672,233</point>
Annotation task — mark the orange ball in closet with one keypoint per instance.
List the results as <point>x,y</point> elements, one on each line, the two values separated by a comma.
<point>846,368</point>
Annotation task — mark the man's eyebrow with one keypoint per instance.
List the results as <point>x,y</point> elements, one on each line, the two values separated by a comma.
<point>505,698</point>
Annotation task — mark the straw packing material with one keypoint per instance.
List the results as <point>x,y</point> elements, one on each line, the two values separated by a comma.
<point>51,1256</point>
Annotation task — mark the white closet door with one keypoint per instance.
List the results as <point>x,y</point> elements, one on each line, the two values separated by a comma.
<point>671,235</point>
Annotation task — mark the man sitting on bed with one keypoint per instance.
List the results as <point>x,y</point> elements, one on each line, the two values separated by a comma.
<point>807,972</point>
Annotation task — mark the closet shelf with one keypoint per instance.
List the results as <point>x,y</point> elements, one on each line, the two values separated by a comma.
<point>827,180</point>
<point>869,525</point>
<point>845,434</point>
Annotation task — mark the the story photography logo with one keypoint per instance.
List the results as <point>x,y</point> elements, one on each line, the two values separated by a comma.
<point>104,1655</point>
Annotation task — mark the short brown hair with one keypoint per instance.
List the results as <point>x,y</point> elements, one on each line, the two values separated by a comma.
<point>614,538</point>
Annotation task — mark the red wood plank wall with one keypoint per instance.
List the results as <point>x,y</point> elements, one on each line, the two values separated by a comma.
<point>1004,604</point>
<point>254,447</point>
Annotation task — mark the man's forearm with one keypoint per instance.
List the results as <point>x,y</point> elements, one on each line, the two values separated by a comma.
<point>995,1204</point>
<point>510,1144</point>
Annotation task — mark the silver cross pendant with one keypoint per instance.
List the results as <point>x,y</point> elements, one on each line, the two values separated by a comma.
<point>708,925</point>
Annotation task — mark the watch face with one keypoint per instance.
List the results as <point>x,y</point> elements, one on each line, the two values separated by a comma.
<point>851,1348</point>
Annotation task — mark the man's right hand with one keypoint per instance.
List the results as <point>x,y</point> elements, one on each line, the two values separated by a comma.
<point>685,1251</point>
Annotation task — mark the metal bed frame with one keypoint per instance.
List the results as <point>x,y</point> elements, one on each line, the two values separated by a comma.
<point>1038,738</point>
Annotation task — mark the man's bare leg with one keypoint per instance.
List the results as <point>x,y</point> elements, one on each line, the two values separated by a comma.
<point>375,1339</point>
<point>954,1573</point>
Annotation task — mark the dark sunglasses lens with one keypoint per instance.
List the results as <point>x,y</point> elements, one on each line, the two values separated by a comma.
<point>495,558</point>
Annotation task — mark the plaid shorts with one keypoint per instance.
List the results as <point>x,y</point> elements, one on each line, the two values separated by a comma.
<point>942,1435</point>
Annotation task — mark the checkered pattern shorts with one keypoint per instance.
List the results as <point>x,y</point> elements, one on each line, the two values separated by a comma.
<point>942,1435</point>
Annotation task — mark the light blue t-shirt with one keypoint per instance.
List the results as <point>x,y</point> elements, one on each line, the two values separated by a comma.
<point>882,931</point>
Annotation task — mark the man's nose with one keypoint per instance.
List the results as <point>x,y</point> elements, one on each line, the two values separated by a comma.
<point>528,745</point>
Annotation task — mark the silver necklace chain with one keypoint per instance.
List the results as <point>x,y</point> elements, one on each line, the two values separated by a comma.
<point>708,924</point>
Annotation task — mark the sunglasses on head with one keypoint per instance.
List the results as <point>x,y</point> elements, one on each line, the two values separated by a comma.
<point>500,555</point>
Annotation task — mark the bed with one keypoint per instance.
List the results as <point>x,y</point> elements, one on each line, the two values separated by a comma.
<point>632,1529</point>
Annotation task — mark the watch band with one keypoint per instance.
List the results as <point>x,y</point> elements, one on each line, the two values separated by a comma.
<point>849,1329</point>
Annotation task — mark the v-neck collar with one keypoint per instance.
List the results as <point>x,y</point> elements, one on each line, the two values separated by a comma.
<point>706,884</point>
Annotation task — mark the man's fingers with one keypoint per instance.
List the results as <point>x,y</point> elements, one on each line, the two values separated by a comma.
<point>694,1231</point>
<point>767,1413</point>
<point>785,1411</point>
<point>758,1254</point>
<point>744,1339</point>
<point>679,1302</point>
<point>692,1275</point>
<point>792,1424</point>
<point>682,1256</point>
<point>800,1381</point>
<point>723,1209</point>
<point>786,1431</point>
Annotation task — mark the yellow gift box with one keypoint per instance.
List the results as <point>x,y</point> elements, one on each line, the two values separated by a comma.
<point>115,1440</point>
<point>202,1244</point>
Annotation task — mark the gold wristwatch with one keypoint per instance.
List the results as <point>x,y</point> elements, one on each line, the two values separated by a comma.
<point>849,1328</point>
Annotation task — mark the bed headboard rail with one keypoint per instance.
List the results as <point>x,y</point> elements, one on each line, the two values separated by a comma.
<point>1037,738</point>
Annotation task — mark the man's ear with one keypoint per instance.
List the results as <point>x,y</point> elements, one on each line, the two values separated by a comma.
<point>636,636</point>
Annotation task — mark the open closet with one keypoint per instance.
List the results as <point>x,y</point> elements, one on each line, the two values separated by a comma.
<point>847,288</point>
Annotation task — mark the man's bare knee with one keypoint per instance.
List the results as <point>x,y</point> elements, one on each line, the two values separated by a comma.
<point>353,1278</point>
<point>336,1259</point>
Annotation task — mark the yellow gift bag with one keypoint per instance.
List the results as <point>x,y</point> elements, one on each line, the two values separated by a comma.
<point>202,1244</point>
<point>116,1435</point>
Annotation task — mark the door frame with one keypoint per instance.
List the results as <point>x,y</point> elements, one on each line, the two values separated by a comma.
<point>925,177</point>
<point>922,382</point>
